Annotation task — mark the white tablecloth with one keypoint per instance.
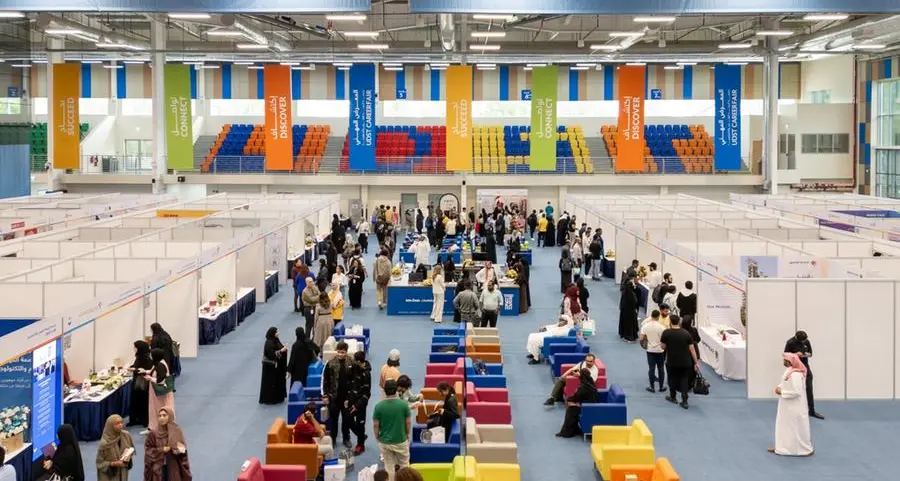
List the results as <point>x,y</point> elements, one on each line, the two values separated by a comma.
<point>219,309</point>
<point>729,360</point>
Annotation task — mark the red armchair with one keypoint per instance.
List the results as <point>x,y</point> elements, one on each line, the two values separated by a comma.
<point>257,472</point>
<point>573,382</point>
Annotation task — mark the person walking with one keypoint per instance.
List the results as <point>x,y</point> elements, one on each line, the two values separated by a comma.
<point>324,321</point>
<point>165,450</point>
<point>337,378</point>
<point>651,333</point>
<point>628,309</point>
<point>566,265</point>
<point>800,345</point>
<point>596,253</point>
<point>466,302</point>
<point>438,292</point>
<point>542,230</point>
<point>140,395</point>
<point>113,461</point>
<point>162,387</point>
<point>680,359</point>
<point>491,302</point>
<point>391,423</point>
<point>66,463</point>
<point>274,369</point>
<point>303,353</point>
<point>359,395</point>
<point>356,277</point>
<point>792,437</point>
<point>310,297</point>
<point>532,224</point>
<point>382,277</point>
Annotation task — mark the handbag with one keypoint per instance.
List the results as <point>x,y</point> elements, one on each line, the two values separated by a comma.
<point>701,386</point>
<point>140,383</point>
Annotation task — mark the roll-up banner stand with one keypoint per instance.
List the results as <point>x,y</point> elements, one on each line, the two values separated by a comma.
<point>459,118</point>
<point>179,128</point>
<point>630,136</point>
<point>727,79</point>
<point>278,135</point>
<point>362,117</point>
<point>66,124</point>
<point>543,118</point>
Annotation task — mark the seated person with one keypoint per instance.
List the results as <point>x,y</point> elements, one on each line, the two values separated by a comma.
<point>556,394</point>
<point>536,339</point>
<point>404,392</point>
<point>586,393</point>
<point>307,430</point>
<point>453,247</point>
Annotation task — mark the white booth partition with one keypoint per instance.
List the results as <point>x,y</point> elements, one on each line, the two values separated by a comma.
<point>251,268</point>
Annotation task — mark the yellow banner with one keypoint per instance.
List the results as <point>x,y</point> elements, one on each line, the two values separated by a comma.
<point>459,118</point>
<point>184,213</point>
<point>66,128</point>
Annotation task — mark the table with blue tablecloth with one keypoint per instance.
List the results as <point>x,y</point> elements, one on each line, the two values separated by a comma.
<point>21,461</point>
<point>88,417</point>
<point>456,256</point>
<point>220,320</point>
<point>609,268</point>
<point>405,299</point>
<point>272,282</point>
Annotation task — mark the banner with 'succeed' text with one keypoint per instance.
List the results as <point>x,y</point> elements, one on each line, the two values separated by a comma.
<point>543,118</point>
<point>362,117</point>
<point>727,135</point>
<point>630,135</point>
<point>66,124</point>
<point>459,118</point>
<point>278,133</point>
<point>179,118</point>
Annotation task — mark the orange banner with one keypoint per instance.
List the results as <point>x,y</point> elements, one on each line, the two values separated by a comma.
<point>630,137</point>
<point>459,118</point>
<point>279,139</point>
<point>66,128</point>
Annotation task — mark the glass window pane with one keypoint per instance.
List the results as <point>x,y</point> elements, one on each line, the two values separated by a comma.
<point>825,142</point>
<point>842,143</point>
<point>792,139</point>
<point>808,143</point>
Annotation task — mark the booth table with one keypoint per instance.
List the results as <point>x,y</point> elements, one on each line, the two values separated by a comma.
<point>88,417</point>
<point>526,256</point>
<point>405,299</point>
<point>271,283</point>
<point>727,358</point>
<point>609,268</point>
<point>22,462</point>
<point>213,325</point>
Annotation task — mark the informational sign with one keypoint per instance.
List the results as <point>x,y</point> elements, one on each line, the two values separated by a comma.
<point>459,118</point>
<point>12,92</point>
<point>362,117</point>
<point>401,94</point>
<point>630,137</point>
<point>449,203</point>
<point>655,94</point>
<point>46,412</point>
<point>66,124</point>
<point>16,399</point>
<point>179,120</point>
<point>194,214</point>
<point>526,94</point>
<point>278,135</point>
<point>727,91</point>
<point>543,118</point>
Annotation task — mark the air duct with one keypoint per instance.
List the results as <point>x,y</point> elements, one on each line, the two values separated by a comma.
<point>292,26</point>
<point>255,35</point>
<point>44,20</point>
<point>530,19</point>
<point>448,32</point>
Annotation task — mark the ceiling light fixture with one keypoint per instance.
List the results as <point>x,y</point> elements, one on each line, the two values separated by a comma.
<point>606,48</point>
<point>585,65</point>
<point>62,31</point>
<point>536,65</point>
<point>486,65</point>
<point>110,45</point>
<point>576,67</point>
<point>528,68</point>
<point>774,33</point>
<point>360,34</point>
<point>393,69</point>
<point>290,64</point>
<point>91,61</point>
<point>190,16</point>
<point>686,64</point>
<point>673,67</point>
<point>113,66</point>
<point>255,67</point>
<point>391,64</point>
<point>494,34</point>
<point>625,34</point>
<point>342,64</point>
<point>39,61</point>
<point>439,64</point>
<point>870,46</point>
<point>826,17</point>
<point>344,68</point>
<point>224,33</point>
<point>489,16</point>
<point>736,63</point>
<point>209,67</point>
<point>252,46</point>
<point>733,46</point>
<point>340,18</point>
<point>654,19</point>
<point>88,37</point>
<point>479,67</point>
<point>196,64</point>
<point>243,62</point>
<point>431,67</point>
<point>135,62</point>
<point>20,65</point>
<point>373,46</point>
<point>636,64</point>
<point>12,15</point>
<point>484,48</point>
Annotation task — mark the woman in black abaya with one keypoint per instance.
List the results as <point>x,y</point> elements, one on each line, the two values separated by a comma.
<point>140,390</point>
<point>274,366</point>
<point>586,393</point>
<point>550,235</point>
<point>303,352</point>
<point>628,309</point>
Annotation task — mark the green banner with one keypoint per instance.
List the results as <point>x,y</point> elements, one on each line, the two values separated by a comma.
<point>543,118</point>
<point>179,118</point>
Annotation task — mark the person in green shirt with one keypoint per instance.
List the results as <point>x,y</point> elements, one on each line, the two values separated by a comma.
<point>392,423</point>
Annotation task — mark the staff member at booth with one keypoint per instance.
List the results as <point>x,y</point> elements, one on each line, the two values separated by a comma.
<point>800,345</point>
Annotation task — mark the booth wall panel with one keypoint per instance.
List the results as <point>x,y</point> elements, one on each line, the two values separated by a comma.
<point>43,275</point>
<point>656,224</point>
<point>94,234</point>
<point>124,233</point>
<point>78,351</point>
<point>870,349</point>
<point>103,288</point>
<point>204,246</point>
<point>681,271</point>
<point>176,307</point>
<point>187,234</point>
<point>11,265</point>
<point>896,342</point>
<point>715,248</point>
<point>712,234</point>
<point>148,249</point>
<point>295,236</point>
<point>63,271</point>
<point>218,235</point>
<point>771,320</point>
<point>748,248</point>
<point>136,222</point>
<point>165,235</point>
<point>688,234</point>
<point>71,249</point>
<point>854,249</point>
<point>609,235</point>
<point>58,297</point>
<point>774,249</point>
<point>626,251</point>
<point>115,334</point>
<point>103,253</point>
<point>150,310</point>
<point>22,301</point>
<point>655,234</point>
<point>647,253</point>
<point>220,274</point>
<point>130,270</point>
<point>808,234</point>
<point>886,266</point>
<point>181,250</point>
<point>774,234</point>
<point>739,224</point>
<point>95,269</point>
<point>823,249</point>
<point>41,250</point>
<point>123,250</point>
<point>821,313</point>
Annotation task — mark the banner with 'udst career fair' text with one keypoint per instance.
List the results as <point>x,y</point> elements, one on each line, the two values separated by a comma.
<point>543,118</point>
<point>727,88</point>
<point>362,117</point>
<point>179,128</point>
<point>459,118</point>
<point>66,125</point>
<point>277,134</point>
<point>630,137</point>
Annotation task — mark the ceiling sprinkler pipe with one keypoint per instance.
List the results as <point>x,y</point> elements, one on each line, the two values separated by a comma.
<point>45,19</point>
<point>448,32</point>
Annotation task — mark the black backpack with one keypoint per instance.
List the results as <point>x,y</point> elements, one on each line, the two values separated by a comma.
<point>566,264</point>
<point>657,294</point>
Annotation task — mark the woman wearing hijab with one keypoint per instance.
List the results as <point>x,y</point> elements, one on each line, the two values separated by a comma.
<point>66,462</point>
<point>112,462</point>
<point>420,220</point>
<point>628,309</point>
<point>572,305</point>
<point>522,280</point>
<point>165,450</point>
<point>324,320</point>
<point>140,390</point>
<point>792,421</point>
<point>336,300</point>
<point>356,277</point>
<point>586,393</point>
<point>274,367</point>
<point>162,340</point>
<point>566,265</point>
<point>303,353</point>
<point>162,384</point>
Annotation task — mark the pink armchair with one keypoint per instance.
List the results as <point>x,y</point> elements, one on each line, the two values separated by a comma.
<point>445,368</point>
<point>258,472</point>
<point>489,412</point>
<point>572,382</point>
<point>483,394</point>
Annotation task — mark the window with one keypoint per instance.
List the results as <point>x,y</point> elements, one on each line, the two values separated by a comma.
<point>887,114</point>
<point>820,97</point>
<point>825,143</point>
<point>887,173</point>
<point>787,155</point>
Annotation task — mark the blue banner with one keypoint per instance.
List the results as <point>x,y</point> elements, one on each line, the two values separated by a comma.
<point>362,117</point>
<point>15,398</point>
<point>46,414</point>
<point>604,7</point>
<point>727,135</point>
<point>526,94</point>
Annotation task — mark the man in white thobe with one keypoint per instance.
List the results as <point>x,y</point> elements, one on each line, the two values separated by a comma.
<point>792,436</point>
<point>421,251</point>
<point>536,339</point>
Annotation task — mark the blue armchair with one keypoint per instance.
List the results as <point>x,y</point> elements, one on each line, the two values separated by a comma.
<point>339,333</point>
<point>494,377</point>
<point>567,354</point>
<point>297,400</point>
<point>420,452</point>
<point>567,339</point>
<point>610,411</point>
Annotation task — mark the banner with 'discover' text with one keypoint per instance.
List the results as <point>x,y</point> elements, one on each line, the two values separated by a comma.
<point>179,121</point>
<point>543,118</point>
<point>630,136</point>
<point>66,125</point>
<point>362,117</point>
<point>277,134</point>
<point>459,118</point>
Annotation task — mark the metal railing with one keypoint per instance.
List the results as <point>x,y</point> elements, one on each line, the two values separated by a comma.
<point>244,165</point>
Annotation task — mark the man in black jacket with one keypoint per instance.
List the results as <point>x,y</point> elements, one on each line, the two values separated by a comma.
<point>336,384</point>
<point>800,345</point>
<point>359,395</point>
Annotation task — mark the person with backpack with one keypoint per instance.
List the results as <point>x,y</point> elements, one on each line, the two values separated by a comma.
<point>596,250</point>
<point>565,270</point>
<point>382,277</point>
<point>359,395</point>
<point>532,223</point>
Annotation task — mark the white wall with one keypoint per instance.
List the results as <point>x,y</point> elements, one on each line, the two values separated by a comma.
<point>834,118</point>
<point>834,74</point>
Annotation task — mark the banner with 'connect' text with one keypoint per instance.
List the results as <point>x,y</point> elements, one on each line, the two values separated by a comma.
<point>362,117</point>
<point>459,118</point>
<point>630,136</point>
<point>66,125</point>
<point>727,89</point>
<point>179,122</point>
<point>543,118</point>
<point>278,135</point>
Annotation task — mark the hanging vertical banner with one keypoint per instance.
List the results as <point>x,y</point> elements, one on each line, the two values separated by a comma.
<point>179,119</point>
<point>728,117</point>
<point>459,118</point>
<point>279,141</point>
<point>630,137</point>
<point>66,128</point>
<point>362,117</point>
<point>543,118</point>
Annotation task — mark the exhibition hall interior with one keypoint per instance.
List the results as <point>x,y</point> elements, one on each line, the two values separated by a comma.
<point>449,240</point>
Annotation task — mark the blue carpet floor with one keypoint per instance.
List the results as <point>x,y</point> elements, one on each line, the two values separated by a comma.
<point>722,437</point>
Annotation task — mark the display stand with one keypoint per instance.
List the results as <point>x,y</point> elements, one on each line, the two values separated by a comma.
<point>88,417</point>
<point>214,325</point>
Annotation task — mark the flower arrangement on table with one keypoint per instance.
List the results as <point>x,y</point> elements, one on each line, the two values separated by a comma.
<point>642,272</point>
<point>13,424</point>
<point>512,274</point>
<point>526,246</point>
<point>309,241</point>
<point>397,272</point>
<point>222,297</point>
<point>109,381</point>
<point>610,255</point>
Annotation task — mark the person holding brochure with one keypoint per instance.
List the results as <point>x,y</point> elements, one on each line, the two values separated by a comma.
<point>65,462</point>
<point>165,450</point>
<point>274,369</point>
<point>115,452</point>
<point>140,394</point>
<point>162,385</point>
